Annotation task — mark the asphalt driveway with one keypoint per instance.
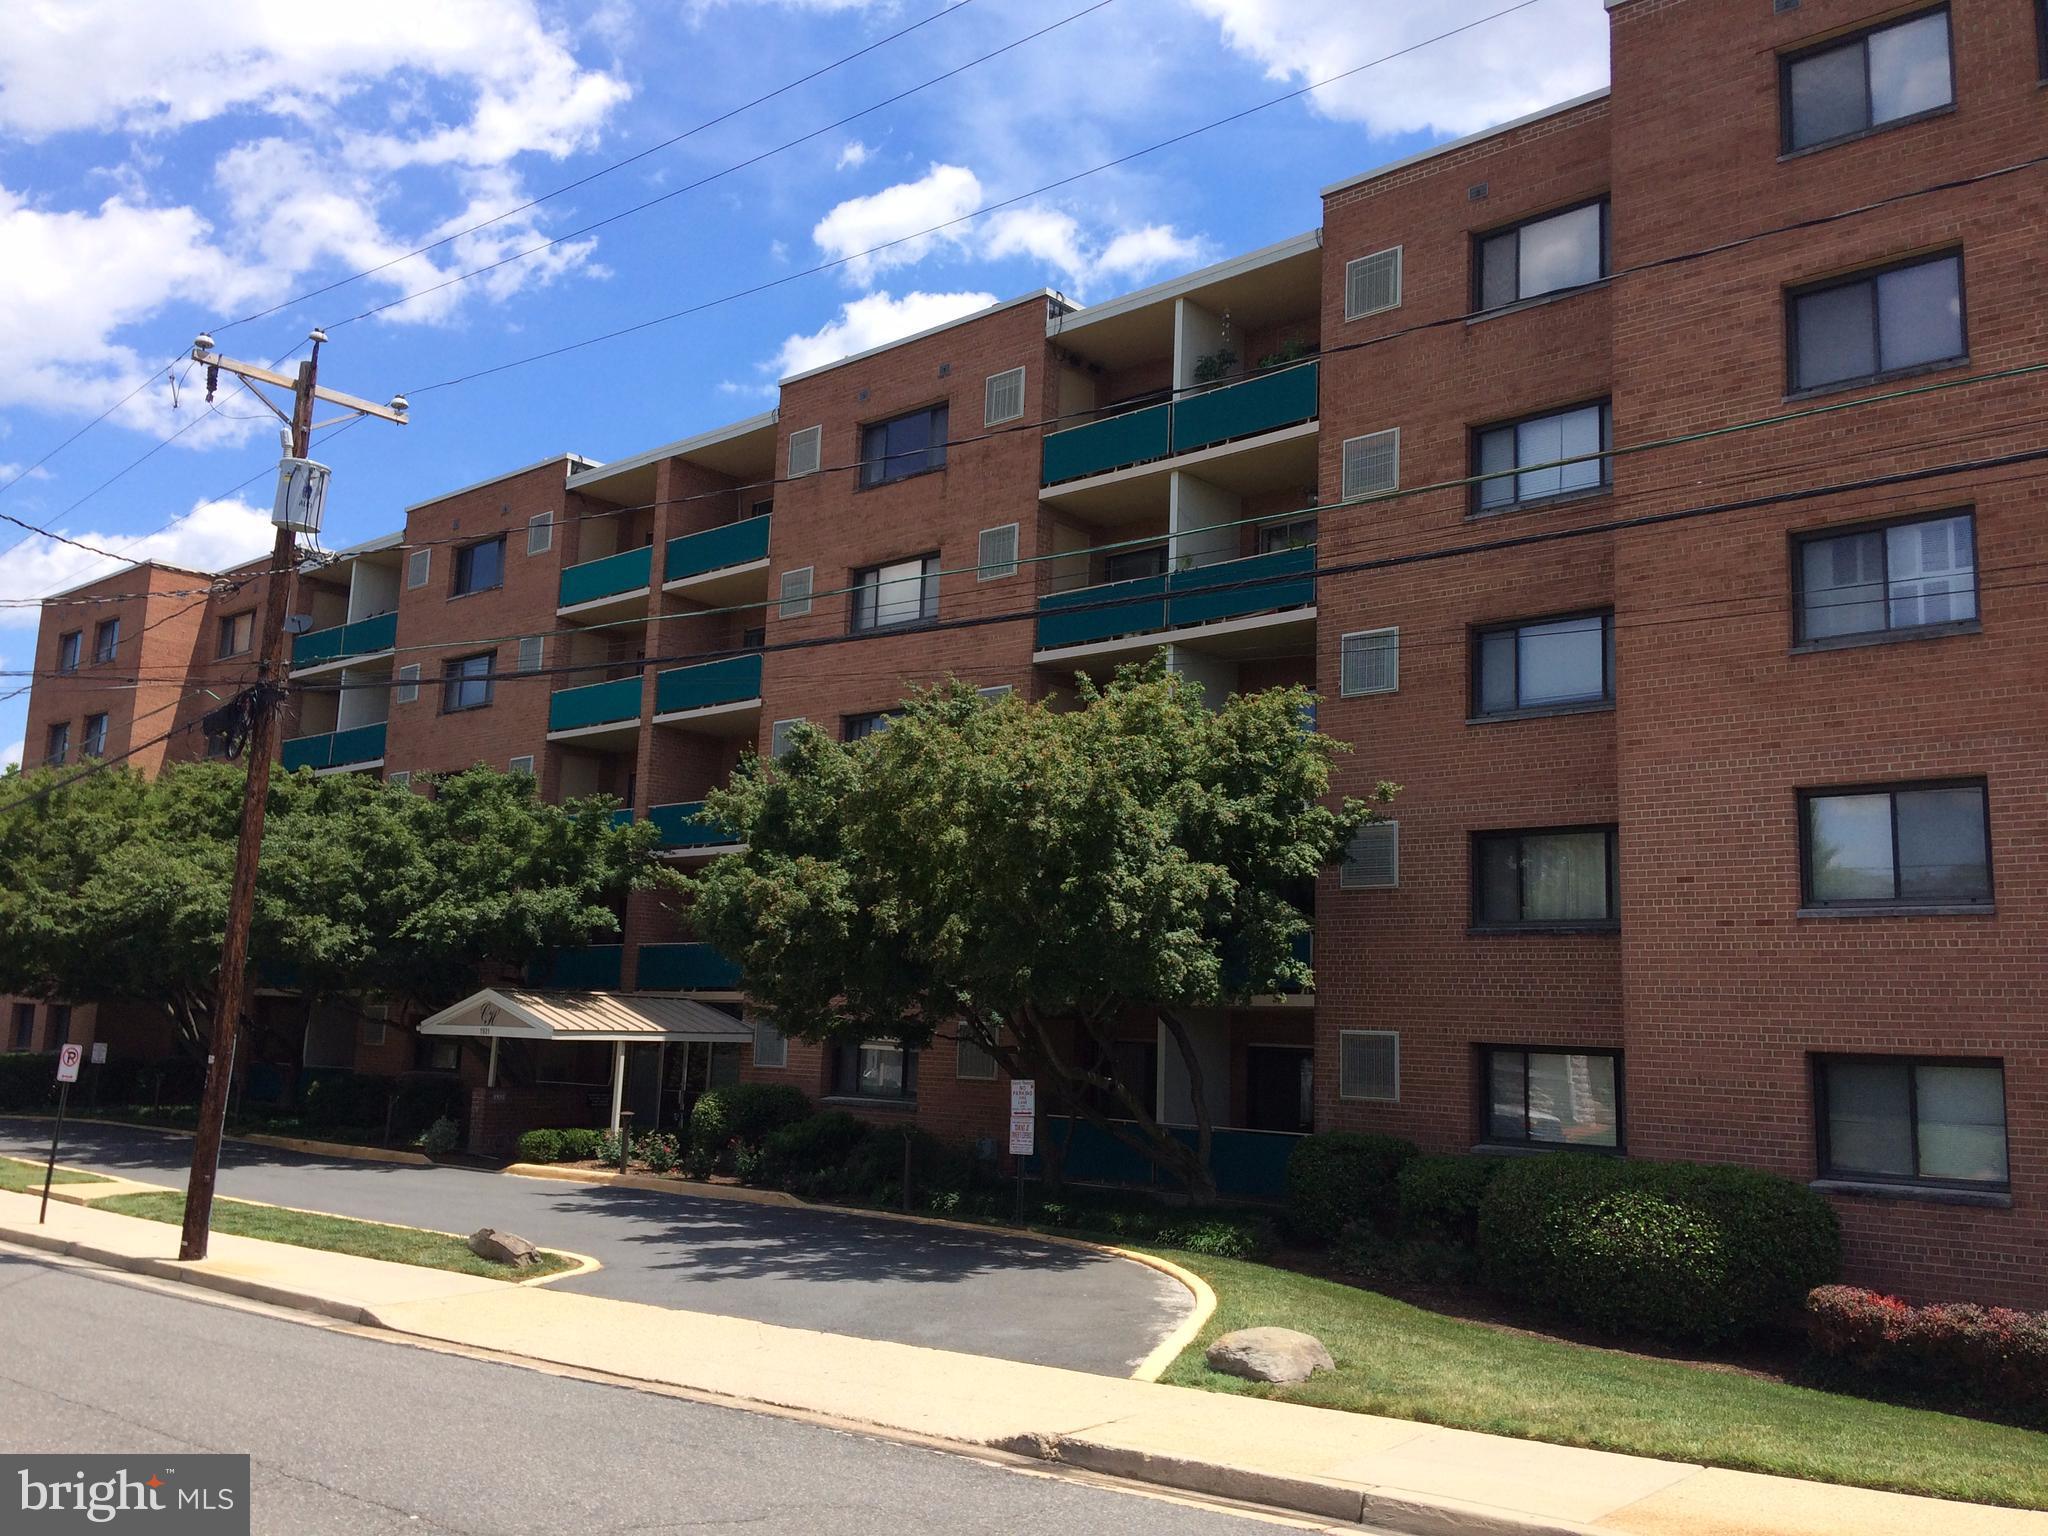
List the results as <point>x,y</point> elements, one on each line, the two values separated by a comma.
<point>980,1294</point>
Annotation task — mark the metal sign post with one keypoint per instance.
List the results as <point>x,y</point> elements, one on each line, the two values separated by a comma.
<point>67,1074</point>
<point>1023,1129</point>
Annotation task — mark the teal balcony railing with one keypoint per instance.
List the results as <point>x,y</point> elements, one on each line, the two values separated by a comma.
<point>623,816</point>
<point>1229,589</point>
<point>1265,402</point>
<point>1115,442</point>
<point>572,709</point>
<point>679,827</point>
<point>587,968</point>
<point>362,638</point>
<point>336,749</point>
<point>686,968</point>
<point>593,579</point>
<point>731,681</point>
<point>695,554</point>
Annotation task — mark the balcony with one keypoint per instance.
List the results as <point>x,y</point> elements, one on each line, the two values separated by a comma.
<point>1251,408</point>
<point>681,832</point>
<point>686,968</point>
<point>587,968</point>
<point>613,584</point>
<point>342,642</point>
<point>358,747</point>
<point>1236,973</point>
<point>720,564</point>
<point>723,696</point>
<point>600,713</point>
<point>1161,607</point>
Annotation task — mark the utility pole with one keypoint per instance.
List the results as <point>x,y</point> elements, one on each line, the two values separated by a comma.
<point>301,497</point>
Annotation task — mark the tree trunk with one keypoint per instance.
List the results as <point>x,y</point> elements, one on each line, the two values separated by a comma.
<point>1204,1121</point>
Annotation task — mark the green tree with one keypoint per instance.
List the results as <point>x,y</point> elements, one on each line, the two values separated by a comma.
<point>1030,876</point>
<point>117,887</point>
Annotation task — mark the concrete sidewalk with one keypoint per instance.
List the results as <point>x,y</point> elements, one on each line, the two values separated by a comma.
<point>1387,1473</point>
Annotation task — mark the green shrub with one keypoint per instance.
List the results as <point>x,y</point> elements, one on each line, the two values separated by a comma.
<point>1336,1178</point>
<point>440,1138</point>
<point>540,1147</point>
<point>28,1080</point>
<point>1439,1196</point>
<point>581,1143</point>
<point>873,1171</point>
<point>697,1163</point>
<point>658,1150</point>
<point>606,1148</point>
<point>346,1100</point>
<point>748,1113</point>
<point>418,1102</point>
<point>746,1165</point>
<point>1694,1251</point>
<point>1222,1232</point>
<point>810,1156</point>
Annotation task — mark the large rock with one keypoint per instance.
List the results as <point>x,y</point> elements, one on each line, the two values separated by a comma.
<point>1270,1354</point>
<point>502,1247</point>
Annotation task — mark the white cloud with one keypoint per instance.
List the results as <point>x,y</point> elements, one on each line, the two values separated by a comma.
<point>1135,254</point>
<point>852,155</point>
<point>1498,70</point>
<point>893,217</point>
<point>9,473</point>
<point>874,320</point>
<point>213,536</point>
<point>10,755</point>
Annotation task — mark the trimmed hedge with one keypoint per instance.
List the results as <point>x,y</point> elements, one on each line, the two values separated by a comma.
<point>747,1113</point>
<point>28,1079</point>
<point>1336,1178</point>
<point>808,1157</point>
<point>1992,1357</point>
<point>1694,1251</point>
<point>576,1144</point>
<point>1440,1196</point>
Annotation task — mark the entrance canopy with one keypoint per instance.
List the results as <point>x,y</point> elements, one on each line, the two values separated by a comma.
<point>619,1018</point>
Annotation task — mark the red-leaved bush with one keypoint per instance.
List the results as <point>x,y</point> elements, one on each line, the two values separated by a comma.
<point>1991,1355</point>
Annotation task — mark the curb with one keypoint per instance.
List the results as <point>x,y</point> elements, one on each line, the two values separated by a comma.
<point>342,1149</point>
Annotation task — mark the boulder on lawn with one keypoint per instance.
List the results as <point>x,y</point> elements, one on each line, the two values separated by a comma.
<point>1270,1354</point>
<point>503,1247</point>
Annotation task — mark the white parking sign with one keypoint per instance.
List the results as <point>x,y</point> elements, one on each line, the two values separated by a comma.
<point>67,1063</point>
<point>1023,1117</point>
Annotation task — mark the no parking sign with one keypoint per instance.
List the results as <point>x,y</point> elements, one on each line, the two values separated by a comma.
<point>67,1063</point>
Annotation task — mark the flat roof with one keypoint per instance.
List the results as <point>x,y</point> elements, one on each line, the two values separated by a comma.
<point>132,565</point>
<point>524,469</point>
<point>1461,143</point>
<point>634,476</point>
<point>1040,295</point>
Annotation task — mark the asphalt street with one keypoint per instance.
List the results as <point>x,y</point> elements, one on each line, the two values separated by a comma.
<point>980,1294</point>
<point>358,1437</point>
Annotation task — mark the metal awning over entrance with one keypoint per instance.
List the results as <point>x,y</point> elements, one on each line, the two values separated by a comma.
<point>619,1018</point>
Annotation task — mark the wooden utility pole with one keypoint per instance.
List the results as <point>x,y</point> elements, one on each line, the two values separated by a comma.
<point>268,695</point>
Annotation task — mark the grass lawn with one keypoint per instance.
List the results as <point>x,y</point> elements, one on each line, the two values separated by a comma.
<point>27,1178</point>
<point>1403,1362</point>
<point>336,1234</point>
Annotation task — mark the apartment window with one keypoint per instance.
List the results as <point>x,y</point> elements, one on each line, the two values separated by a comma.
<point>408,689</point>
<point>95,736</point>
<point>1135,564</point>
<point>24,1025</point>
<point>1547,665</point>
<point>1920,573</point>
<point>972,1062</point>
<point>1581,436</point>
<point>68,648</point>
<point>805,451</point>
<point>1849,86</point>
<point>1553,1098</point>
<point>875,1069</point>
<point>237,633</point>
<point>1372,464</point>
<point>1877,323</point>
<point>771,1046</point>
<point>1547,255</point>
<point>1372,859</point>
<point>779,735</point>
<point>1003,398</point>
<point>1369,1065</point>
<point>1922,845</point>
<point>1903,1120</point>
<point>540,534</point>
<point>400,778</point>
<point>1369,661</point>
<point>1296,533</point>
<point>1551,878</point>
<point>480,567</point>
<point>793,595</point>
<point>60,1024</point>
<point>995,693</point>
<point>531,653</point>
<point>418,565</point>
<point>59,744</point>
<point>106,640</point>
<point>903,446</point>
<point>466,684</point>
<point>860,727</point>
<point>888,596</point>
<point>1372,284</point>
<point>996,555</point>
<point>522,764</point>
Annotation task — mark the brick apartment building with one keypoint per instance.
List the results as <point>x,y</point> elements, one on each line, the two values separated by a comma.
<point>1599,471</point>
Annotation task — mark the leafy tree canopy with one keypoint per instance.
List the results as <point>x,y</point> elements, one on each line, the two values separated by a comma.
<point>1032,875</point>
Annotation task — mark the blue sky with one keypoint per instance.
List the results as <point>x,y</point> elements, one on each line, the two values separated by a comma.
<point>168,169</point>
